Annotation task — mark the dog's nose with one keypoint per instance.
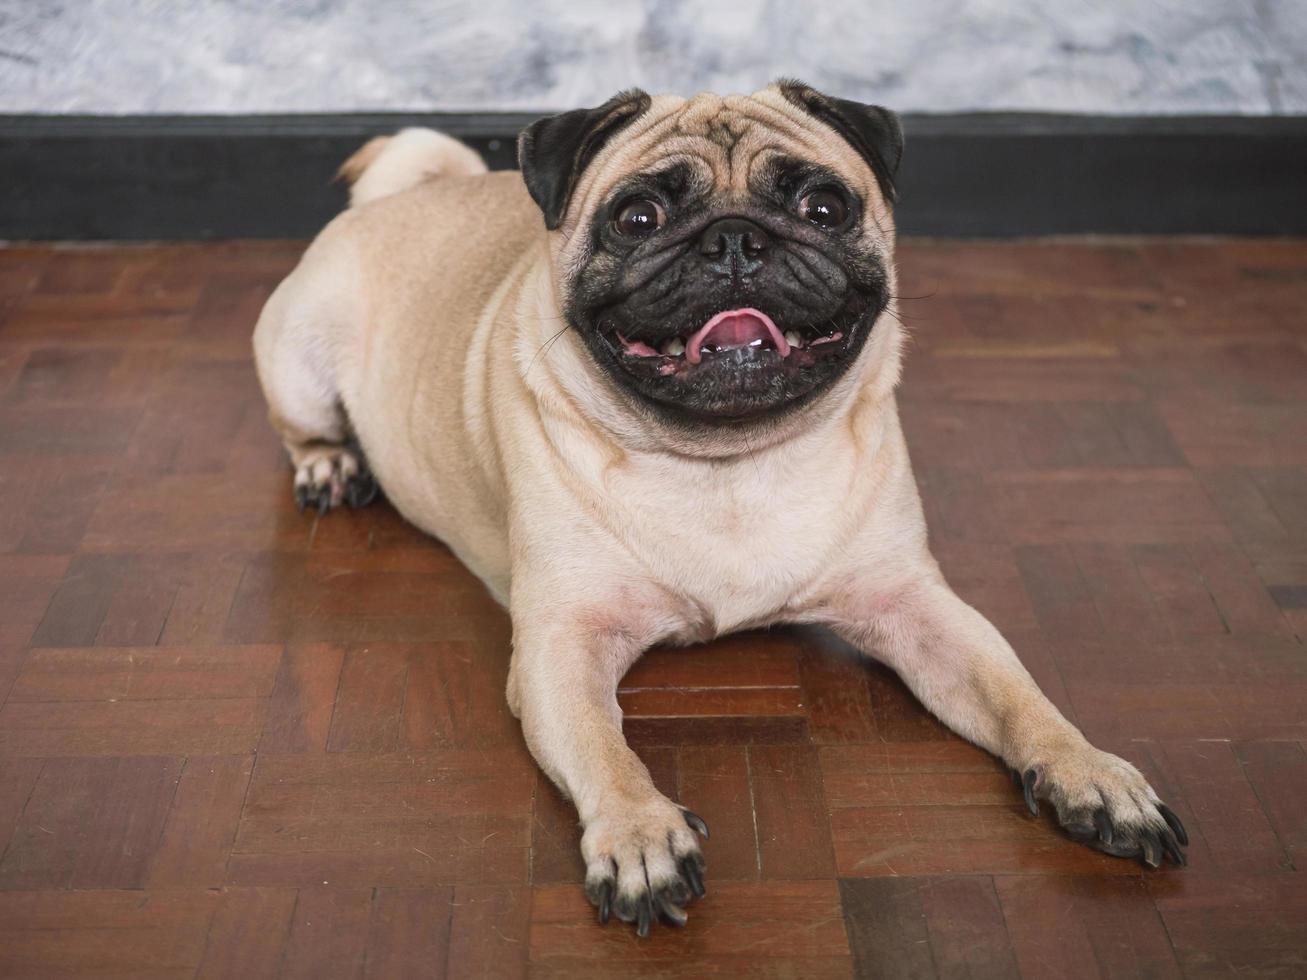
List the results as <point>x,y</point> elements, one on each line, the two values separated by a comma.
<point>734,240</point>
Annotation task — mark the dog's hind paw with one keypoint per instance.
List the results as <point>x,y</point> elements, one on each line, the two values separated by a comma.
<point>645,865</point>
<point>1103,801</point>
<point>329,476</point>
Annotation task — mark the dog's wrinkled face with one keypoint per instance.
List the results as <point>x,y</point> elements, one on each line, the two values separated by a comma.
<point>725,259</point>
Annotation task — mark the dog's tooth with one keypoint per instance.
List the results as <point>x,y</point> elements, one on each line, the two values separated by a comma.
<point>674,347</point>
<point>793,339</point>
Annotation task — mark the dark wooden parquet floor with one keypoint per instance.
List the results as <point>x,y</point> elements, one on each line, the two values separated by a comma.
<point>240,742</point>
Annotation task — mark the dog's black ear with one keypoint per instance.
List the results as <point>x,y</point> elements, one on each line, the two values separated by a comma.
<point>553,151</point>
<point>872,130</point>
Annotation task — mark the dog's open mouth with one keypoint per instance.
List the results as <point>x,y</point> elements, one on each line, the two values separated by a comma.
<point>743,333</point>
<point>727,365</point>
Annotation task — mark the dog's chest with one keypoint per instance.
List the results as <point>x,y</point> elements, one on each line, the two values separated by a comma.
<point>740,542</point>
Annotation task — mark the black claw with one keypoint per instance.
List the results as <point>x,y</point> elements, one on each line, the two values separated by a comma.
<point>1082,832</point>
<point>696,823</point>
<point>360,490</point>
<point>646,916</point>
<point>671,913</point>
<point>1121,848</point>
<point>1174,823</point>
<point>324,500</point>
<point>1172,848</point>
<point>301,498</point>
<point>1028,788</point>
<point>676,891</point>
<point>605,902</point>
<point>1103,824</point>
<point>1152,853</point>
<point>690,869</point>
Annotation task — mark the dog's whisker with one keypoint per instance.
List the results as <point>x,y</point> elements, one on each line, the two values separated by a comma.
<point>543,350</point>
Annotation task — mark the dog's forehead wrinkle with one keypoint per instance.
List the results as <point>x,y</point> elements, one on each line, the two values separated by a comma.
<point>698,115</point>
<point>734,133</point>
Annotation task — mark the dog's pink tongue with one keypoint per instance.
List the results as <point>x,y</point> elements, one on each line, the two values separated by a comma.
<point>735,328</point>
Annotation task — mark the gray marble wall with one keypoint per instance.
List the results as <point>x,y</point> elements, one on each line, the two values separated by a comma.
<point>1101,56</point>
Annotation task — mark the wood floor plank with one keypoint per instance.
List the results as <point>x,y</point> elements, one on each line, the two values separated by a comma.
<point>887,927</point>
<point>408,933</point>
<point>130,815</point>
<point>329,933</point>
<point>201,825</point>
<point>369,715</point>
<point>248,934</point>
<point>27,584</point>
<point>715,783</point>
<point>402,819</point>
<point>91,823</point>
<point>489,932</point>
<point>1085,927</point>
<point>146,673</point>
<point>790,814</point>
<point>91,933</point>
<point>1277,772</point>
<point>926,927</point>
<point>456,696</point>
<point>191,726</point>
<point>968,932</point>
<point>303,699</point>
<point>836,696</point>
<point>1235,924</point>
<point>17,781</point>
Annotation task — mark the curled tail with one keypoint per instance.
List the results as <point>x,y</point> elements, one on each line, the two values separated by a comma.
<point>389,164</point>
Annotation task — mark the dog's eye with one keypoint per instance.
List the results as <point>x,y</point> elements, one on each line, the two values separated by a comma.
<point>824,208</point>
<point>639,217</point>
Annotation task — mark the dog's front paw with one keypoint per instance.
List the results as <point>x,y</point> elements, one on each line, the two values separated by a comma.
<point>331,475</point>
<point>643,862</point>
<point>1105,802</point>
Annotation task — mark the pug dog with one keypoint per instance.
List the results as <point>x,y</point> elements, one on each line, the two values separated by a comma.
<point>644,390</point>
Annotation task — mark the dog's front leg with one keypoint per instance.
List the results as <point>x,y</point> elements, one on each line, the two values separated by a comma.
<point>641,855</point>
<point>962,669</point>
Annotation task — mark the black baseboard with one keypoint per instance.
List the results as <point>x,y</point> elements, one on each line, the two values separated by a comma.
<point>169,177</point>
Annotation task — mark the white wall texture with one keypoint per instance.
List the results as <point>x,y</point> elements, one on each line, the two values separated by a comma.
<point>239,56</point>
